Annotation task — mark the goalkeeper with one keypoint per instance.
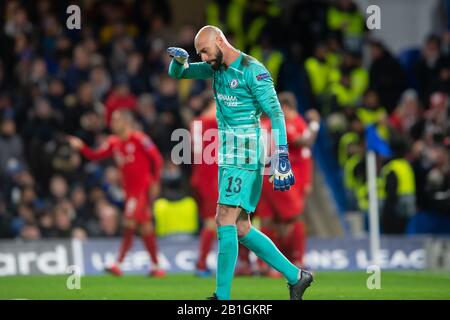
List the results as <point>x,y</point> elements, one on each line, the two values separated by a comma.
<point>243,89</point>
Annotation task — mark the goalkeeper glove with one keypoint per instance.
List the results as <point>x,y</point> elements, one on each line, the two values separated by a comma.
<point>282,176</point>
<point>178,54</point>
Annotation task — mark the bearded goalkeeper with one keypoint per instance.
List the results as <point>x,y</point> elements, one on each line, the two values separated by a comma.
<point>243,89</point>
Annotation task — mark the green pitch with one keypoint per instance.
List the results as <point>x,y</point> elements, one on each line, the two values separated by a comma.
<point>327,285</point>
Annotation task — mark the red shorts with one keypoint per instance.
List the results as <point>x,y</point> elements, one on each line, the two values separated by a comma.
<point>137,207</point>
<point>206,200</point>
<point>280,205</point>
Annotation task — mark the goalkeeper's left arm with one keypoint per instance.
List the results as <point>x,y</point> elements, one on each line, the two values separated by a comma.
<point>263,90</point>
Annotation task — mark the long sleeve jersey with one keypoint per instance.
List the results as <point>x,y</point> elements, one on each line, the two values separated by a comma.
<point>242,91</point>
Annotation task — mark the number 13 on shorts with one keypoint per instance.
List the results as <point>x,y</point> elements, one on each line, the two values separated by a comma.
<point>240,187</point>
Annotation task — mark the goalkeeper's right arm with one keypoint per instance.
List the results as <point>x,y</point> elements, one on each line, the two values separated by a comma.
<point>179,67</point>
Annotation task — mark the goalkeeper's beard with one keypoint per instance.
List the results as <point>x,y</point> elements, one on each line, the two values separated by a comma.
<point>218,61</point>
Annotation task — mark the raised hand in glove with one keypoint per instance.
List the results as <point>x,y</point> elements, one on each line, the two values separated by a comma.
<point>178,54</point>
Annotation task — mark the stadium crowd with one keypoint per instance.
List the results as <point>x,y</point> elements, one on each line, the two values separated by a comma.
<point>56,82</point>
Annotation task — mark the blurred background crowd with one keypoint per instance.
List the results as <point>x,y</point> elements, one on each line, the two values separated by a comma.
<point>55,82</point>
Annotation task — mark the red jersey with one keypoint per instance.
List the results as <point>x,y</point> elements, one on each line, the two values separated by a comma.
<point>299,156</point>
<point>137,157</point>
<point>295,129</point>
<point>204,149</point>
<point>276,204</point>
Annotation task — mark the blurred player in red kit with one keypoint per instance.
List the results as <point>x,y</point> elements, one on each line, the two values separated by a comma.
<point>204,168</point>
<point>140,163</point>
<point>281,212</point>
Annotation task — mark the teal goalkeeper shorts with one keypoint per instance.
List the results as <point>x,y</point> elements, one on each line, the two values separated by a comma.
<point>240,187</point>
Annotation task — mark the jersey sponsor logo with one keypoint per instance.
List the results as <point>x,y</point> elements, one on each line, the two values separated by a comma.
<point>229,101</point>
<point>262,76</point>
<point>234,83</point>
<point>224,97</point>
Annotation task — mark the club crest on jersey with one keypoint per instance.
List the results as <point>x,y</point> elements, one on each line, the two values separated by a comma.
<point>234,83</point>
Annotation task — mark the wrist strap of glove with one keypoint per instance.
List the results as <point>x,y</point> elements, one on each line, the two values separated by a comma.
<point>282,150</point>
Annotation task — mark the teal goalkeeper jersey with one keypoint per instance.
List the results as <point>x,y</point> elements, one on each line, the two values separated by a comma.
<point>242,91</point>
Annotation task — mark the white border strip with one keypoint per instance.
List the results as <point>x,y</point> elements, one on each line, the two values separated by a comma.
<point>77,251</point>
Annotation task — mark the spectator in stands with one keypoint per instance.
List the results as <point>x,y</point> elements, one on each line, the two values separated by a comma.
<point>359,76</point>
<point>345,17</point>
<point>83,103</point>
<point>109,221</point>
<point>91,127</point>
<point>387,77</point>
<point>434,125</point>
<point>59,189</point>
<point>349,142</point>
<point>63,215</point>
<point>136,75</point>
<point>112,186</point>
<point>24,54</point>
<point>30,232</point>
<point>167,96</point>
<point>38,75</point>
<point>46,222</point>
<point>433,189</point>
<point>78,197</point>
<point>351,154</point>
<point>17,179</point>
<point>407,113</point>
<point>5,220</point>
<point>430,156</point>
<point>24,223</point>
<point>397,189</point>
<point>121,46</point>
<point>146,112</point>
<point>100,82</point>
<point>56,93</point>
<point>17,20</point>
<point>437,186</point>
<point>11,146</point>
<point>342,96</point>
<point>371,111</point>
<point>79,70</point>
<point>320,76</point>
<point>120,98</point>
<point>432,68</point>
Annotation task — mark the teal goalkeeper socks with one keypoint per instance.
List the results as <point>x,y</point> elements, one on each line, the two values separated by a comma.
<point>226,260</point>
<point>266,250</point>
